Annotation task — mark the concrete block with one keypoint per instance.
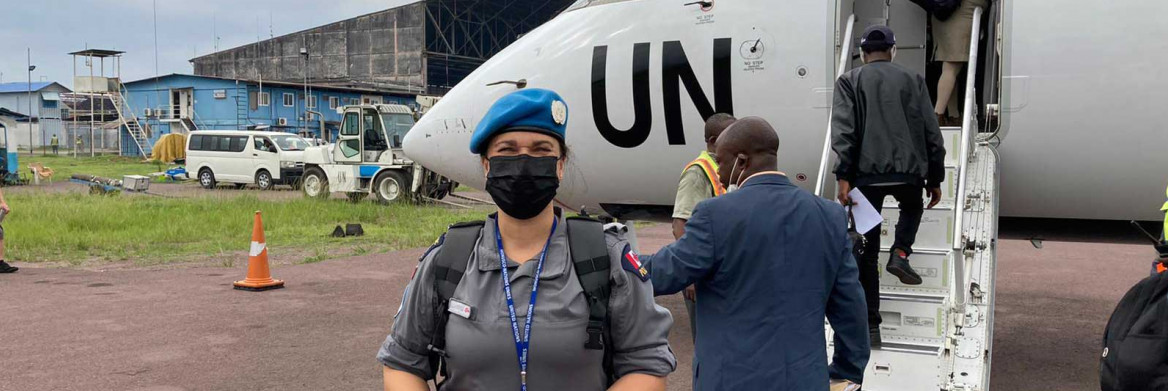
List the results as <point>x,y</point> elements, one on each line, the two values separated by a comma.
<point>382,64</point>
<point>336,66</point>
<point>411,39</point>
<point>334,43</point>
<point>382,41</point>
<point>359,66</point>
<point>358,42</point>
<point>413,15</point>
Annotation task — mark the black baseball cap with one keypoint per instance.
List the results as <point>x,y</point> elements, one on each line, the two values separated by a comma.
<point>878,37</point>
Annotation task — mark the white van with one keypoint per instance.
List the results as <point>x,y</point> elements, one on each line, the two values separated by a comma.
<point>241,157</point>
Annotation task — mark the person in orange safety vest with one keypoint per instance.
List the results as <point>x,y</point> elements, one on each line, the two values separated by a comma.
<point>699,181</point>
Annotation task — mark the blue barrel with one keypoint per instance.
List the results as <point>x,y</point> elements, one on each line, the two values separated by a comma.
<point>13,167</point>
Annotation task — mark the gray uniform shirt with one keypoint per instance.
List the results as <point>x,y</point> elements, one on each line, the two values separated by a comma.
<point>481,348</point>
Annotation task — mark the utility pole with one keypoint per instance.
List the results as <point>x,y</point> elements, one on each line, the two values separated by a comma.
<point>304,119</point>
<point>31,151</point>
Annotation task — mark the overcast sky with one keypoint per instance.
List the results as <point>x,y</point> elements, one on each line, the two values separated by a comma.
<point>54,28</point>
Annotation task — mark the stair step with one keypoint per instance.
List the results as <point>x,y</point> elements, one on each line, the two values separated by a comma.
<point>933,267</point>
<point>912,320</point>
<point>896,366</point>
<point>935,232</point>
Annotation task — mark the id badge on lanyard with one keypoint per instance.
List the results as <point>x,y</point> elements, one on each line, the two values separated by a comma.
<point>522,345</point>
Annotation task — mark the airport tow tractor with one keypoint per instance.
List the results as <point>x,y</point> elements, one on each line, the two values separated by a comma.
<point>367,158</point>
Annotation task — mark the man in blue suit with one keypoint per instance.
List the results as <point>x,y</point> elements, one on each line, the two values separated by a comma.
<point>769,261</point>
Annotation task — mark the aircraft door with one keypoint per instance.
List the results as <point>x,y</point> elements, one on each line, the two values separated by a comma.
<point>348,148</point>
<point>908,20</point>
<point>373,137</point>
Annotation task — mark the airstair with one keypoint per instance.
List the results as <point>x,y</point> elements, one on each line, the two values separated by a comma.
<point>938,335</point>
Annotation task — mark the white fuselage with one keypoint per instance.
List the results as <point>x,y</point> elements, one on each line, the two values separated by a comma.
<point>1080,115</point>
<point>636,49</point>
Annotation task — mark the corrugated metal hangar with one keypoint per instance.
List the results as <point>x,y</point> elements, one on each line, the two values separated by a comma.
<point>421,48</point>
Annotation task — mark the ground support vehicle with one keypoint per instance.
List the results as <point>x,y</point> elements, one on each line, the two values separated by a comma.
<point>367,158</point>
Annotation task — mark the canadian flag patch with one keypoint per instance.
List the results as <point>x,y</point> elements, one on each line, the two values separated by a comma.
<point>631,262</point>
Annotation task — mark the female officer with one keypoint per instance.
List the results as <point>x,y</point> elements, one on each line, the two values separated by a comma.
<point>521,264</point>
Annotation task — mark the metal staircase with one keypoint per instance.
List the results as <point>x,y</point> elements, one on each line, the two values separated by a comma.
<point>188,124</point>
<point>937,335</point>
<point>130,121</point>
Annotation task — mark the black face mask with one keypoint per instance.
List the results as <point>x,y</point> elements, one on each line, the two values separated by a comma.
<point>523,185</point>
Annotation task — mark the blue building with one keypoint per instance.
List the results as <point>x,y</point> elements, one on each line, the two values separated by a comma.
<point>39,102</point>
<point>178,103</point>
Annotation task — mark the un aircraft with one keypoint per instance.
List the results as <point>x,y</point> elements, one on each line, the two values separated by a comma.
<point>1061,108</point>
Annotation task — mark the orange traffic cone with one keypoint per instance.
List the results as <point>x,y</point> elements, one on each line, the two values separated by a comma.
<point>258,276</point>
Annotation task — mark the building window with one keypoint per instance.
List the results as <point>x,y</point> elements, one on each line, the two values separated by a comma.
<point>354,101</point>
<point>289,99</point>
<point>334,102</point>
<point>265,99</point>
<point>312,101</point>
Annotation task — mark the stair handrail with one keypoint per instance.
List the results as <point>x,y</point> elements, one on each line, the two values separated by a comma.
<point>845,58</point>
<point>123,97</point>
<point>967,133</point>
<point>199,124</point>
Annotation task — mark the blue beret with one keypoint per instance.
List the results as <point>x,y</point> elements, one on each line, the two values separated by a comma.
<point>532,110</point>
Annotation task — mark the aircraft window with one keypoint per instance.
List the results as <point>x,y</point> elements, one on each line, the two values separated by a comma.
<point>590,3</point>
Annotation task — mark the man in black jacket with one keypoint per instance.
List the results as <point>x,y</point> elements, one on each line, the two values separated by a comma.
<point>888,143</point>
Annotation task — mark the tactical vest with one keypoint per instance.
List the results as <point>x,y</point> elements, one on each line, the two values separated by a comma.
<point>710,168</point>
<point>590,260</point>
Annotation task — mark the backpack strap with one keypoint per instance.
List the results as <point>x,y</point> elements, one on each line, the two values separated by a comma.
<point>449,265</point>
<point>591,261</point>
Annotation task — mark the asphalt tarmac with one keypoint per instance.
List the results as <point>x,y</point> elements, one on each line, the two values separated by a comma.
<point>187,329</point>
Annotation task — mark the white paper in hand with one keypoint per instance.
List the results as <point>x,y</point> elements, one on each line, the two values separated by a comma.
<point>844,385</point>
<point>865,214</point>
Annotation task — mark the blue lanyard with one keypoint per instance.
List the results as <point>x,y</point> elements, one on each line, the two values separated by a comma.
<point>522,344</point>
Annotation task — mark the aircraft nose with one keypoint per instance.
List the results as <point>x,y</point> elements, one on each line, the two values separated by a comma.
<point>440,141</point>
<point>420,145</point>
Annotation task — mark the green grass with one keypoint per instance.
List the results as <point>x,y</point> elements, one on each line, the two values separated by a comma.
<point>109,166</point>
<point>79,229</point>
